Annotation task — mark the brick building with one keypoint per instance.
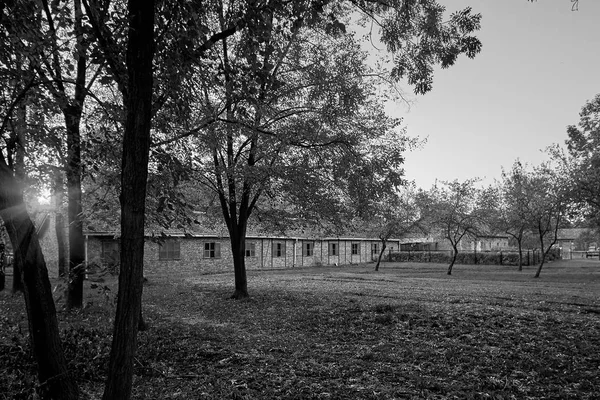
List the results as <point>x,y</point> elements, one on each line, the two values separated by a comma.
<point>212,253</point>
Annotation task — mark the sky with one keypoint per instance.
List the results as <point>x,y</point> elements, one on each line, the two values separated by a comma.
<point>539,64</point>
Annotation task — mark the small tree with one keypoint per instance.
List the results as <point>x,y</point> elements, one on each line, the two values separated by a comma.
<point>395,215</point>
<point>514,206</point>
<point>548,205</point>
<point>453,211</point>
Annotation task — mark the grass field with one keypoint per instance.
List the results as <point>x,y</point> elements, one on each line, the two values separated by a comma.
<point>406,332</point>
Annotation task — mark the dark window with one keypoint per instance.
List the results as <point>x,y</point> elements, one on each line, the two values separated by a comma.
<point>308,249</point>
<point>169,250</point>
<point>333,249</point>
<point>355,249</point>
<point>212,250</point>
<point>278,249</point>
<point>250,249</point>
<point>374,248</point>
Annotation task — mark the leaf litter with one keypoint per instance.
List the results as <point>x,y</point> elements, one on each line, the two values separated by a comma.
<point>336,334</point>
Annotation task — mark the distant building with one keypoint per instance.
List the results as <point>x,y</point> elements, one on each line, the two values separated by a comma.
<point>438,243</point>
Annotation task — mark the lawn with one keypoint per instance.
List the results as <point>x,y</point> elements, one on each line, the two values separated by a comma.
<point>406,332</point>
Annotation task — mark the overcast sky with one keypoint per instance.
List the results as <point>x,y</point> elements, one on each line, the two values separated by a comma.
<point>539,64</point>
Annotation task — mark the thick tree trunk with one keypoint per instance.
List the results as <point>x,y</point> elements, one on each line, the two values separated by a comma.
<point>74,210</point>
<point>238,249</point>
<point>383,247</point>
<point>55,380</point>
<point>134,176</point>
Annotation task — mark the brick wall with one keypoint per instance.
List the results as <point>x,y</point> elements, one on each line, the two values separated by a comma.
<point>192,258</point>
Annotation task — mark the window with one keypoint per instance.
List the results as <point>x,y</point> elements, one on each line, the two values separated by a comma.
<point>308,249</point>
<point>355,249</point>
<point>212,250</point>
<point>374,248</point>
<point>333,249</point>
<point>278,249</point>
<point>250,249</point>
<point>169,250</point>
<point>110,253</point>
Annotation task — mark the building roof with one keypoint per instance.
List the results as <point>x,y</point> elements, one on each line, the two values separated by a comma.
<point>179,234</point>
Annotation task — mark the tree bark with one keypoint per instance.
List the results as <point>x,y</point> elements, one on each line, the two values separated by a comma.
<point>55,380</point>
<point>74,209</point>
<point>72,114</point>
<point>238,249</point>
<point>134,176</point>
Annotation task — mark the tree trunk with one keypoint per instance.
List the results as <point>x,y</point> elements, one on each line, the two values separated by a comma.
<point>383,246</point>
<point>539,269</point>
<point>21,176</point>
<point>2,259</point>
<point>454,255</point>
<point>520,255</point>
<point>59,225</point>
<point>55,380</point>
<point>238,249</point>
<point>134,176</point>
<point>74,210</point>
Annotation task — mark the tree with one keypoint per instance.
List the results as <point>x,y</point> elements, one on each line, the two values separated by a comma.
<point>56,381</point>
<point>514,206</point>
<point>136,145</point>
<point>135,79</point>
<point>548,206</point>
<point>59,69</point>
<point>295,135</point>
<point>455,212</point>
<point>582,163</point>
<point>289,105</point>
<point>395,215</point>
